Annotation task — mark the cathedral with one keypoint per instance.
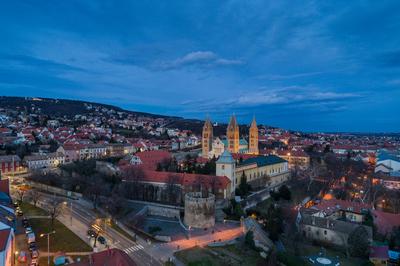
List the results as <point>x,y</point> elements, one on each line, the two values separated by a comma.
<point>233,143</point>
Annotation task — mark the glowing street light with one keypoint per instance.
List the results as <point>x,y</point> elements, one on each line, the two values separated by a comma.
<point>48,244</point>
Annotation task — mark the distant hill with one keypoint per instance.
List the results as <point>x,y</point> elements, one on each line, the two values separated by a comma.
<point>70,108</point>
<point>61,107</point>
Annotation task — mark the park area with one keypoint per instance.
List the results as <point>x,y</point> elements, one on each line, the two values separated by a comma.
<point>62,241</point>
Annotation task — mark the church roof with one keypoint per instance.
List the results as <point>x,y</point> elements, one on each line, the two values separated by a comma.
<point>241,142</point>
<point>263,160</point>
<point>226,158</point>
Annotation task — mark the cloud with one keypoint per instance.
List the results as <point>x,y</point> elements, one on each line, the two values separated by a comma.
<point>22,61</point>
<point>290,97</point>
<point>198,58</point>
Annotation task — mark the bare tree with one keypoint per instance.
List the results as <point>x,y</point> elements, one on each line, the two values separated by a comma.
<point>96,188</point>
<point>54,209</point>
<point>172,188</point>
<point>35,196</point>
<point>21,192</point>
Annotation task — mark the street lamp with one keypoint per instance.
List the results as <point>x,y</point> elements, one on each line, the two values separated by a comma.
<point>15,257</point>
<point>48,244</point>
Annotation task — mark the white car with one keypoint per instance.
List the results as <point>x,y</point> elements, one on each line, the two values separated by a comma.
<point>28,230</point>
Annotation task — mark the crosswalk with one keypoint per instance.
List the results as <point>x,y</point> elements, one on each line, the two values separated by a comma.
<point>134,248</point>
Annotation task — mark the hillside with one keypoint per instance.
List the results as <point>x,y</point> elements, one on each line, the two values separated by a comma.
<point>62,107</point>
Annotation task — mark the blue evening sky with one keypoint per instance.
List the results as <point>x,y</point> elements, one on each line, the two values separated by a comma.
<point>307,65</point>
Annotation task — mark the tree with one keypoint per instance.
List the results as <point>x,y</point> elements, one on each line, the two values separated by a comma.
<point>21,192</point>
<point>358,242</point>
<point>116,202</point>
<point>96,188</point>
<point>35,196</point>
<point>249,239</point>
<point>244,187</point>
<point>285,193</point>
<point>274,222</point>
<point>54,210</point>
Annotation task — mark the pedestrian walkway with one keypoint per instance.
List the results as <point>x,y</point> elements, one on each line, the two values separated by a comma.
<point>45,254</point>
<point>134,248</point>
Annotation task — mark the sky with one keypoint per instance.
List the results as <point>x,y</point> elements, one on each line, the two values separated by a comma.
<point>301,65</point>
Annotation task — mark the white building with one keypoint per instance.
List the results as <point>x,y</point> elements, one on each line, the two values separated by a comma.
<point>44,161</point>
<point>387,162</point>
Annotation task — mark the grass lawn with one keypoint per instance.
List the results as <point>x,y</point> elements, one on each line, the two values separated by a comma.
<point>214,256</point>
<point>63,240</point>
<point>30,210</point>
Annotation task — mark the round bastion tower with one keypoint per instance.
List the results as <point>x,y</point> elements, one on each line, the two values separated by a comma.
<point>199,210</point>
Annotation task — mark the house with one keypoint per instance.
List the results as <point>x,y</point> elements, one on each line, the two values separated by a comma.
<point>11,164</point>
<point>342,209</point>
<point>119,149</point>
<point>49,160</point>
<point>295,158</point>
<point>387,161</point>
<point>379,255</point>
<point>385,222</point>
<point>328,231</point>
<point>150,159</point>
<point>110,257</point>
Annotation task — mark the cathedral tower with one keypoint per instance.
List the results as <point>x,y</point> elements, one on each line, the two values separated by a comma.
<point>253,137</point>
<point>232,135</point>
<point>207,138</point>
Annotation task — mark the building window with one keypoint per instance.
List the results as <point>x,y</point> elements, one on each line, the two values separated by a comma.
<point>325,232</point>
<point>223,167</point>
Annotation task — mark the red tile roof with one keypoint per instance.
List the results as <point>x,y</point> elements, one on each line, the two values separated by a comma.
<point>183,179</point>
<point>150,159</point>
<point>333,205</point>
<point>379,252</point>
<point>111,257</point>
<point>4,235</point>
<point>5,186</point>
<point>385,221</point>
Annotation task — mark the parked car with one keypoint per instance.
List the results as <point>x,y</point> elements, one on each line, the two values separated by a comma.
<point>25,222</point>
<point>101,240</point>
<point>31,238</point>
<point>35,254</point>
<point>91,233</point>
<point>15,204</point>
<point>28,230</point>
<point>32,246</point>
<point>34,262</point>
<point>19,212</point>
<point>22,257</point>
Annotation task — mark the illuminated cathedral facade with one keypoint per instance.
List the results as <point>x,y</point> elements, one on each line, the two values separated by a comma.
<point>233,143</point>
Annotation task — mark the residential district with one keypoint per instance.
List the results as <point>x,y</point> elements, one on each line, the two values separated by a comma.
<point>112,187</point>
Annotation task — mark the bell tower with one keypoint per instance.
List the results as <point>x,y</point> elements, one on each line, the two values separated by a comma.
<point>253,137</point>
<point>207,138</point>
<point>232,135</point>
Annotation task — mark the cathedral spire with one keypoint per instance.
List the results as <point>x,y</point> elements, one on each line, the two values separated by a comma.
<point>207,137</point>
<point>253,137</point>
<point>232,134</point>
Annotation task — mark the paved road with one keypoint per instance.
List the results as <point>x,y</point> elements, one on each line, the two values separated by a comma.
<point>136,250</point>
<point>83,217</point>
